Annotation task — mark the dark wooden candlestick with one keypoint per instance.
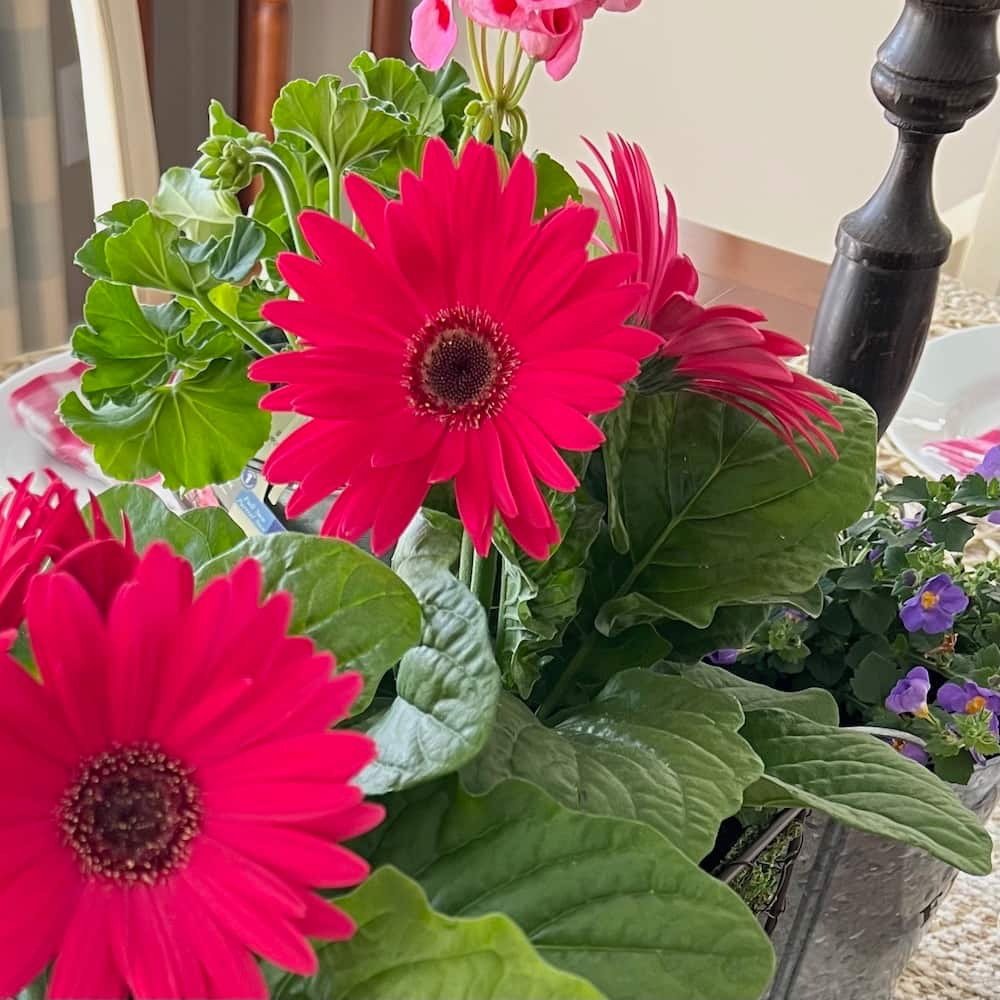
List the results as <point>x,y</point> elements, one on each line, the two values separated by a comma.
<point>937,69</point>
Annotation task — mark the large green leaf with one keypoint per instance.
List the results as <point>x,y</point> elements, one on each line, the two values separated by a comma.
<point>541,598</point>
<point>731,628</point>
<point>650,747</point>
<point>403,950</point>
<point>345,600</point>
<point>607,899</point>
<point>188,201</point>
<point>195,431</point>
<point>556,185</point>
<point>863,783</point>
<point>447,687</point>
<point>814,703</point>
<point>717,510</point>
<point>91,258</point>
<point>392,81</point>
<point>147,255</point>
<point>199,535</point>
<point>341,124</point>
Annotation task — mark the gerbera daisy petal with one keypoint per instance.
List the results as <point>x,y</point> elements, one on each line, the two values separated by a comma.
<point>489,292</point>
<point>323,920</point>
<point>565,427</point>
<point>585,392</point>
<point>85,966</point>
<point>369,206</point>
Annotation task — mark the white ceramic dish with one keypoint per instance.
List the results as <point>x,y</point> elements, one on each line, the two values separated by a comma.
<point>20,453</point>
<point>955,394</point>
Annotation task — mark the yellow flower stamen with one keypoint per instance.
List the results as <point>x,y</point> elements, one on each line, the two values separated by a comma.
<point>975,705</point>
<point>928,600</point>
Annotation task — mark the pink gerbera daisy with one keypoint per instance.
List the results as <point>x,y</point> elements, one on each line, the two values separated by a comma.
<point>170,792</point>
<point>34,528</point>
<point>719,351</point>
<point>464,342</point>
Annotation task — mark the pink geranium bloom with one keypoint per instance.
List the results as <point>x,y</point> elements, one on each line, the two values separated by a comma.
<point>172,794</point>
<point>465,342</point>
<point>555,38</point>
<point>720,351</point>
<point>433,32</point>
<point>34,529</point>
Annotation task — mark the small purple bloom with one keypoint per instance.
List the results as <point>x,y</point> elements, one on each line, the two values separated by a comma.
<point>989,467</point>
<point>724,657</point>
<point>912,751</point>
<point>932,609</point>
<point>875,554</point>
<point>970,699</point>
<point>909,696</point>
<point>994,518</point>
<point>909,523</point>
<point>794,615</point>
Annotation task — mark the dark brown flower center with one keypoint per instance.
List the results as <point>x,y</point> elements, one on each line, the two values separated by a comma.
<point>131,814</point>
<point>459,367</point>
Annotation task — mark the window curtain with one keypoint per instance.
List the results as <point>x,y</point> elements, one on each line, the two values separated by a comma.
<point>32,276</point>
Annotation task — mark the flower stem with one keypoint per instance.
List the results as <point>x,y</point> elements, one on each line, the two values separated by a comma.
<point>501,640</point>
<point>465,560</point>
<point>485,62</point>
<point>477,64</point>
<point>484,578</point>
<point>289,196</point>
<point>551,702</point>
<point>244,333</point>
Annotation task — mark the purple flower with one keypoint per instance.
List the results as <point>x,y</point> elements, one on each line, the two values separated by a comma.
<point>724,657</point>
<point>989,467</point>
<point>909,523</point>
<point>912,751</point>
<point>994,518</point>
<point>909,696</point>
<point>970,699</point>
<point>933,607</point>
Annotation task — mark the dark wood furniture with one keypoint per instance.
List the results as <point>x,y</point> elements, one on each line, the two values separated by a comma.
<point>937,69</point>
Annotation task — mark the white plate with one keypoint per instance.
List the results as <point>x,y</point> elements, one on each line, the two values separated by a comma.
<point>20,453</point>
<point>955,394</point>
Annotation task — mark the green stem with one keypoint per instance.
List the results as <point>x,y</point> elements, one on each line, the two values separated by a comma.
<point>477,65</point>
<point>465,560</point>
<point>335,192</point>
<point>485,61</point>
<point>484,578</point>
<point>502,65</point>
<point>501,640</point>
<point>515,97</point>
<point>289,196</point>
<point>243,332</point>
<point>511,85</point>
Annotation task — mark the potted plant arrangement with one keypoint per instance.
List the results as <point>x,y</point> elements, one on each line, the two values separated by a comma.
<point>550,482</point>
<point>907,643</point>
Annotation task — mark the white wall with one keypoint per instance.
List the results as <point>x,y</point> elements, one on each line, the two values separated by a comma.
<point>758,113</point>
<point>327,35</point>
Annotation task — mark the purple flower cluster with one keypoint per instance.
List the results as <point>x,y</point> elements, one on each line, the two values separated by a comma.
<point>932,609</point>
<point>909,696</point>
<point>970,699</point>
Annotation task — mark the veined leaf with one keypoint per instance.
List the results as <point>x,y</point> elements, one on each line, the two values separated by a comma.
<point>188,201</point>
<point>649,747</point>
<point>447,686</point>
<point>395,83</point>
<point>403,950</point>
<point>91,258</point>
<point>345,600</point>
<point>607,899</point>
<point>556,185</point>
<point>863,783</point>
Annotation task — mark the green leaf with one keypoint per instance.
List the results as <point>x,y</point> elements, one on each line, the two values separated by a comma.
<point>338,122</point>
<point>542,598</point>
<point>650,747</point>
<point>953,533</point>
<point>395,83</point>
<point>874,610</point>
<point>221,123</point>
<point>198,536</point>
<point>446,687</point>
<point>874,677</point>
<point>147,255</point>
<point>863,783</point>
<point>404,950</point>
<point>957,770</point>
<point>450,85</point>
<point>188,201</point>
<point>635,649</point>
<point>556,185</point>
<point>731,628</point>
<point>813,703</point>
<point>717,510</point>
<point>913,489</point>
<point>235,256</point>
<point>91,258</point>
<point>345,600</point>
<point>196,431</point>
<point>607,899</point>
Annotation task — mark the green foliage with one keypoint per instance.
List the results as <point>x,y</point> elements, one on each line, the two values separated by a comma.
<point>607,899</point>
<point>863,783</point>
<point>404,949</point>
<point>652,748</point>
<point>198,536</point>
<point>346,601</point>
<point>556,186</point>
<point>188,201</point>
<point>447,686</point>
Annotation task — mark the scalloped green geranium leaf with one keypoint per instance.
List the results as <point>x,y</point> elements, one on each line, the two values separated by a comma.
<point>403,949</point>
<point>91,258</point>
<point>447,686</point>
<point>342,125</point>
<point>345,600</point>
<point>716,510</point>
<point>649,747</point>
<point>610,900</point>
<point>188,201</point>
<point>195,431</point>
<point>556,185</point>
<point>199,535</point>
<point>392,81</point>
<point>235,255</point>
<point>862,782</point>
